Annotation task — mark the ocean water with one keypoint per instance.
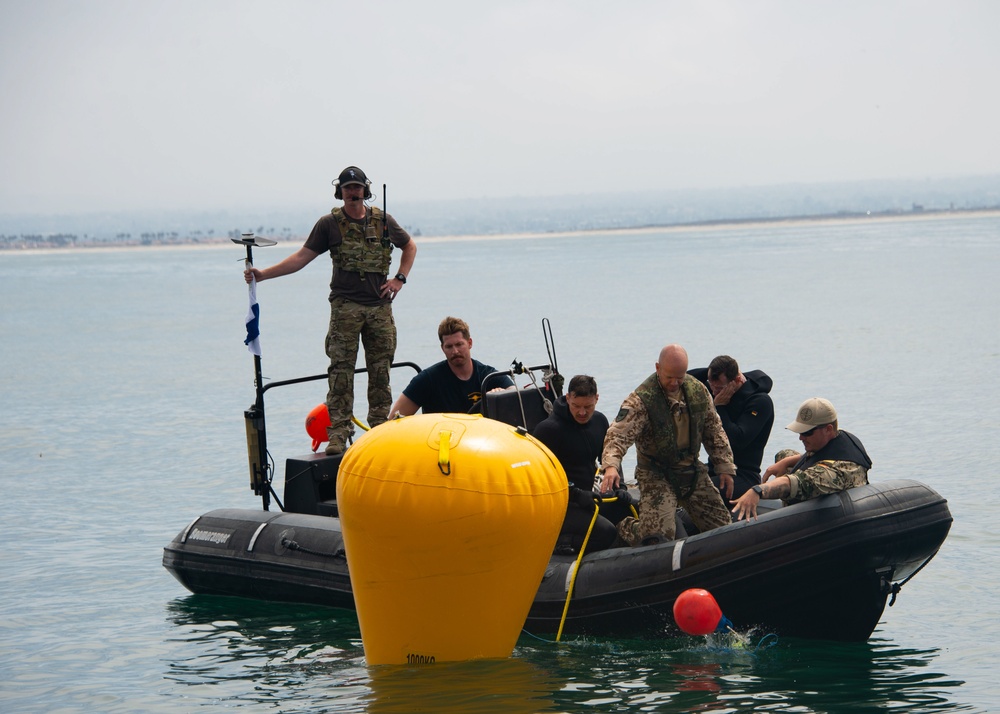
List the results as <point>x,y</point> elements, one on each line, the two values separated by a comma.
<point>125,378</point>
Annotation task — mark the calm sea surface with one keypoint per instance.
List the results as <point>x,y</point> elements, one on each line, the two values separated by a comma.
<point>124,384</point>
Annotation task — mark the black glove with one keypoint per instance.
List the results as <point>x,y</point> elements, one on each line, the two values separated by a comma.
<point>623,496</point>
<point>583,499</point>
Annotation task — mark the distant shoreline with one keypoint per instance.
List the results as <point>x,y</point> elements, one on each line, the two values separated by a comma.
<point>733,223</point>
<point>715,224</point>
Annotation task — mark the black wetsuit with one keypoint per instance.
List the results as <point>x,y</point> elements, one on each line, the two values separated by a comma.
<point>578,448</point>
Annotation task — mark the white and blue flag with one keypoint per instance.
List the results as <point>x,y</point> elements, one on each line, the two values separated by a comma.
<point>253,322</point>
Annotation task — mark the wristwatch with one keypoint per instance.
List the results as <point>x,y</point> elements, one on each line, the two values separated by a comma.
<point>759,491</point>
<point>401,278</point>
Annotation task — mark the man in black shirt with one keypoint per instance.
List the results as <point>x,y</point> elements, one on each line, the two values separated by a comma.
<point>452,385</point>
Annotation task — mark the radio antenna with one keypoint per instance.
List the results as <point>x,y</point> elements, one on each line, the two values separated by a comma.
<point>385,219</point>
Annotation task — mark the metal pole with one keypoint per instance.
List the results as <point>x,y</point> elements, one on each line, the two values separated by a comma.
<point>260,477</point>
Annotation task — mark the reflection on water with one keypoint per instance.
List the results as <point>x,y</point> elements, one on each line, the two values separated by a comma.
<point>301,658</point>
<point>238,651</point>
<point>496,685</point>
<point>697,674</point>
<point>831,675</point>
<point>314,658</point>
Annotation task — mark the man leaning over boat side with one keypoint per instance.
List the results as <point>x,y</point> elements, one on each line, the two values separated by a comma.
<point>834,460</point>
<point>455,384</point>
<point>669,417</point>
<point>361,295</point>
<point>747,413</point>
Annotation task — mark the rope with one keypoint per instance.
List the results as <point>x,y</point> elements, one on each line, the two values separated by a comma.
<point>546,403</point>
<point>292,545</point>
<point>576,570</point>
<point>540,639</point>
<point>894,588</point>
<point>764,639</point>
<point>631,507</point>
<point>268,478</point>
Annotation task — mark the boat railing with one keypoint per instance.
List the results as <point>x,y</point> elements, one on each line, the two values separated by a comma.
<point>522,408</point>
<point>260,462</point>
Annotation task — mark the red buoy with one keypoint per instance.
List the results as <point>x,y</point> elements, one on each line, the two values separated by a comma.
<point>316,424</point>
<point>696,612</point>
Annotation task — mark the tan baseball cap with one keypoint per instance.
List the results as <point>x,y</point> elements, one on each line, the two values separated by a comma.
<point>813,412</point>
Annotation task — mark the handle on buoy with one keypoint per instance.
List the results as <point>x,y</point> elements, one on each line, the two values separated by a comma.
<point>444,448</point>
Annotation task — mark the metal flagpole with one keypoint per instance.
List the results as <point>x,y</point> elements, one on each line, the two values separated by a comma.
<point>260,477</point>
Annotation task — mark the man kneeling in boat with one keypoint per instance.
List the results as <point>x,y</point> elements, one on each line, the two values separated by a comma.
<point>835,460</point>
<point>668,417</point>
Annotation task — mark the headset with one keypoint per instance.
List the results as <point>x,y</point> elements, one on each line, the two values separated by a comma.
<point>351,174</point>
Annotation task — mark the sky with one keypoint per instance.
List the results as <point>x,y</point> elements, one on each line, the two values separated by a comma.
<point>119,105</point>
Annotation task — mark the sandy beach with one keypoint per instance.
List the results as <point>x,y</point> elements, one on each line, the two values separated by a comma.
<point>701,226</point>
<point>732,224</point>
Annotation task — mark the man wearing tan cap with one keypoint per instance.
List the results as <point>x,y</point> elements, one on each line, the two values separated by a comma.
<point>835,460</point>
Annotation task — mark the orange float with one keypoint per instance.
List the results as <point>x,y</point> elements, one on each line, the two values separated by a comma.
<point>316,424</point>
<point>697,613</point>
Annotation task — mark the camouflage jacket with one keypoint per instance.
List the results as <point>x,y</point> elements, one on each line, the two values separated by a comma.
<point>363,248</point>
<point>820,473</point>
<point>636,425</point>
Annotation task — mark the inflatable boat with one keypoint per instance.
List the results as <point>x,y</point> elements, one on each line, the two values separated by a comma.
<point>821,569</point>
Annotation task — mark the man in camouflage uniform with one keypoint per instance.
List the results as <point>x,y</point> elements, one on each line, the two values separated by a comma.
<point>360,241</point>
<point>835,460</point>
<point>668,418</point>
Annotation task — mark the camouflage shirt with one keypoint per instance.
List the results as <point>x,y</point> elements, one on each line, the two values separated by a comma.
<point>825,477</point>
<point>632,426</point>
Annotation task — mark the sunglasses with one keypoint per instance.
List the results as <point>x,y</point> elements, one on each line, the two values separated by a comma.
<point>813,430</point>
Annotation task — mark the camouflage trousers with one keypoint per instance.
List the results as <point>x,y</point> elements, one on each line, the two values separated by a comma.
<point>658,503</point>
<point>377,329</point>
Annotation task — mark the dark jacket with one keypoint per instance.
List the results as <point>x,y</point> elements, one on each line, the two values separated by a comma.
<point>577,446</point>
<point>845,446</point>
<point>747,419</point>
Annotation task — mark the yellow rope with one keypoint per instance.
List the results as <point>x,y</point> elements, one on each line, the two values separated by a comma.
<point>583,549</point>
<point>576,569</point>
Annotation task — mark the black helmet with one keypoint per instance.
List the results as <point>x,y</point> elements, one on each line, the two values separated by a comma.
<point>352,174</point>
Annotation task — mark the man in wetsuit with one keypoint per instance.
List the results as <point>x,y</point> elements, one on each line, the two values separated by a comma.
<point>574,432</point>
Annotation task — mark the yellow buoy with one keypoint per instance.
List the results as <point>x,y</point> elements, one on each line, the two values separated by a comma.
<point>448,521</point>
